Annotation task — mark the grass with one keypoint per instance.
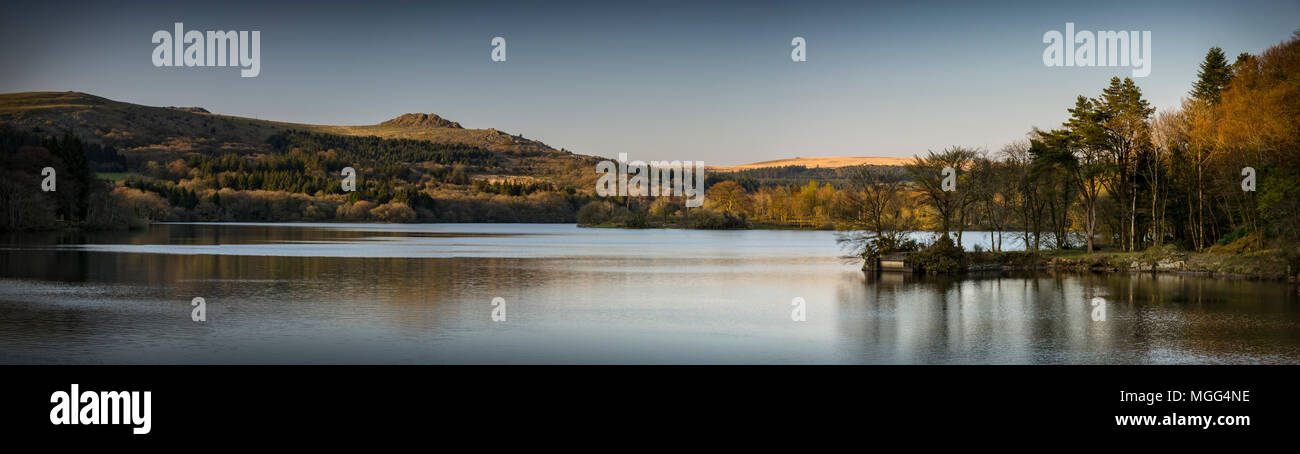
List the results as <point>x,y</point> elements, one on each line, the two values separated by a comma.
<point>1269,264</point>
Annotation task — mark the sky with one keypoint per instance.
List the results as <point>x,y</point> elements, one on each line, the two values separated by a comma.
<point>709,81</point>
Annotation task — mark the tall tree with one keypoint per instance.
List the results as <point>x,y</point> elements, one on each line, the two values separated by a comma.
<point>927,173</point>
<point>1123,117</point>
<point>1076,150</point>
<point>994,193</point>
<point>1213,77</point>
<point>1026,191</point>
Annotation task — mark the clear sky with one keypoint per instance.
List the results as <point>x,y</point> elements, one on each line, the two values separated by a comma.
<point>690,80</point>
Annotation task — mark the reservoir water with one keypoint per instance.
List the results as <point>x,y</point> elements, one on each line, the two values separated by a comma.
<point>423,293</point>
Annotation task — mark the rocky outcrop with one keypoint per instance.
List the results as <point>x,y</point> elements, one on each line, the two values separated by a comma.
<point>190,109</point>
<point>421,120</point>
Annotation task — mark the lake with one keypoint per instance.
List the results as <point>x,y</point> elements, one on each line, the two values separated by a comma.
<point>423,294</point>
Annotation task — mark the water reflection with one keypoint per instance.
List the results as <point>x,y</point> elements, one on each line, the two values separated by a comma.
<point>340,293</point>
<point>1047,318</point>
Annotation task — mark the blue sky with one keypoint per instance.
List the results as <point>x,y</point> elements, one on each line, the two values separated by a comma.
<point>662,80</point>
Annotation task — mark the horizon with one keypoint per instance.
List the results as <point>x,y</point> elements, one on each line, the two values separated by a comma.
<point>712,83</point>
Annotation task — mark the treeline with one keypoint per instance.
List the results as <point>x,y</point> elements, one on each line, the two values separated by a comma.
<point>728,204</point>
<point>1224,167</point>
<point>396,181</point>
<point>382,151</point>
<point>75,198</point>
<point>174,195</point>
<point>513,188</point>
<point>300,180</point>
<point>789,176</point>
<point>26,155</point>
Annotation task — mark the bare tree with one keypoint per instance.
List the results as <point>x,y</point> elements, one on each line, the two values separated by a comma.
<point>1026,197</point>
<point>880,216</point>
<point>927,174</point>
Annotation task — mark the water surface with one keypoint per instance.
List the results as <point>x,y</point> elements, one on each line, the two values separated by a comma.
<point>402,293</point>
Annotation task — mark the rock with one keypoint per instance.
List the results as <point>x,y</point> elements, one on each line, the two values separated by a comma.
<point>189,109</point>
<point>421,120</point>
<point>1170,264</point>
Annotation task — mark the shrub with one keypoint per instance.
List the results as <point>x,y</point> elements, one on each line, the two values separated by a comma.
<point>596,212</point>
<point>1236,234</point>
<point>941,257</point>
<point>393,212</point>
<point>358,211</point>
<point>634,220</point>
<point>877,246</point>
<point>712,220</point>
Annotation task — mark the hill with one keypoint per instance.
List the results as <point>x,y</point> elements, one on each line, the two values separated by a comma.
<point>132,126</point>
<point>189,164</point>
<point>823,162</point>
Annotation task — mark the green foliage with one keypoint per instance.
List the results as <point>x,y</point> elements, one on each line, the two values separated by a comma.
<point>512,188</point>
<point>1213,76</point>
<point>175,195</point>
<point>599,212</point>
<point>887,244</point>
<point>23,156</point>
<point>635,220</point>
<point>1234,235</point>
<point>382,151</point>
<point>279,180</point>
<point>941,257</point>
<point>1279,203</point>
<point>794,175</point>
<point>713,220</point>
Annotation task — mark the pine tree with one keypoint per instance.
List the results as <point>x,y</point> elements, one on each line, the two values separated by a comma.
<point>1213,77</point>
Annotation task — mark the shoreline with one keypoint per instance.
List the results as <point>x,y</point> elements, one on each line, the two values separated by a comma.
<point>1266,265</point>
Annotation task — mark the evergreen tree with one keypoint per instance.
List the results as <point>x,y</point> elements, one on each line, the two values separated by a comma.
<point>1213,77</point>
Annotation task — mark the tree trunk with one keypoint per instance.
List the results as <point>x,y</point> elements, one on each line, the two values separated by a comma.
<point>1091,221</point>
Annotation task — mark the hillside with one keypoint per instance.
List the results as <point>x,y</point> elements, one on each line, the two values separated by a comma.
<point>133,126</point>
<point>189,164</point>
<point>823,162</point>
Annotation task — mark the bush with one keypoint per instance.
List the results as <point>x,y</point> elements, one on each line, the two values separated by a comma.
<point>596,212</point>
<point>941,257</point>
<point>634,220</point>
<point>144,205</point>
<point>358,211</point>
<point>393,212</point>
<point>1236,234</point>
<point>712,220</point>
<point>871,247</point>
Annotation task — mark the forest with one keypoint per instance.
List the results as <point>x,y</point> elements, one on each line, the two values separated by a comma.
<point>1222,168</point>
<point>297,179</point>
